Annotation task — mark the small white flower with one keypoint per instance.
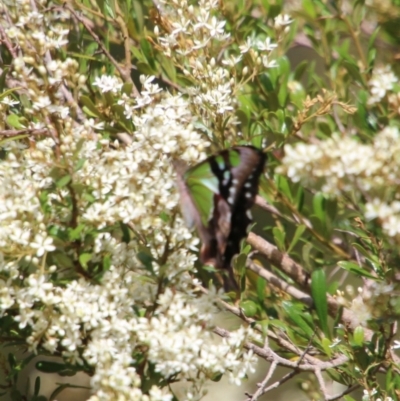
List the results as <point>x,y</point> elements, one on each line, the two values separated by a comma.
<point>232,61</point>
<point>43,244</point>
<point>108,83</point>
<point>42,102</point>
<point>268,63</point>
<point>247,46</point>
<point>282,20</point>
<point>381,82</point>
<point>266,45</point>
<point>216,27</point>
<point>9,101</point>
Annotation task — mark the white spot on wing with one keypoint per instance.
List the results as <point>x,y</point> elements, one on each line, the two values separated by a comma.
<point>248,195</point>
<point>249,215</point>
<point>227,176</point>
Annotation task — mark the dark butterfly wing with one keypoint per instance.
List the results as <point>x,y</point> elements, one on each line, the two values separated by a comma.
<point>238,180</point>
<point>216,197</point>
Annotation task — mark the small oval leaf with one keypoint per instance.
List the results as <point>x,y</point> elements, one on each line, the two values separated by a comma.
<point>318,292</point>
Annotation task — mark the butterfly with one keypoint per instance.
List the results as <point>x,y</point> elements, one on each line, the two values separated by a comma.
<point>216,197</point>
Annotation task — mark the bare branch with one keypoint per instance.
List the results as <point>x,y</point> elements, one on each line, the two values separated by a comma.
<point>263,384</point>
<point>281,284</point>
<point>293,269</point>
<point>279,259</point>
<point>26,131</point>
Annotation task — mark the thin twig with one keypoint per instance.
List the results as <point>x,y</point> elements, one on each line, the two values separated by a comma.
<point>126,75</point>
<point>263,384</point>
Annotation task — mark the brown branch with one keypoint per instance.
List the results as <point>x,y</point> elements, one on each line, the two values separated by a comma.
<point>279,259</point>
<point>270,356</point>
<point>27,131</point>
<point>279,382</point>
<point>280,283</point>
<point>263,384</point>
<point>263,204</point>
<point>294,270</point>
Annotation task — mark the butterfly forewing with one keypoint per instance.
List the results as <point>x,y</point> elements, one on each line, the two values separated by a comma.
<point>203,185</point>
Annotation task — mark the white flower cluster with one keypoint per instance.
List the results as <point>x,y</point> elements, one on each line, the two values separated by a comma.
<point>37,35</point>
<point>75,181</point>
<point>382,81</point>
<point>342,164</point>
<point>175,348</point>
<point>369,395</point>
<point>188,41</point>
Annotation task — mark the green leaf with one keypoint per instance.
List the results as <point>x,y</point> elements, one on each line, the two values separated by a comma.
<point>353,70</point>
<point>79,164</point>
<point>14,121</point>
<point>148,53</point>
<point>366,253</point>
<point>299,198</point>
<point>296,314</point>
<point>318,292</point>
<point>283,186</point>
<point>74,234</point>
<point>9,91</point>
<point>144,68</point>
<point>309,7</point>
<point>358,336</point>
<point>326,343</point>
<point>279,237</point>
<point>126,236</point>
<point>216,377</point>
<point>371,58</point>
<point>3,77</point>
<point>249,308</point>
<point>13,138</point>
<point>305,252</point>
<point>348,398</point>
<point>325,129</point>
<point>298,233</point>
<point>137,54</point>
<point>84,258</point>
<point>63,181</point>
<point>50,367</point>
<point>127,88</point>
<point>90,107</point>
<point>138,15</point>
<point>261,284</point>
<point>169,68</point>
<point>278,324</point>
<point>362,358</point>
<point>106,263</point>
<point>356,269</point>
<point>319,206</point>
<point>37,386</point>
<point>147,260</point>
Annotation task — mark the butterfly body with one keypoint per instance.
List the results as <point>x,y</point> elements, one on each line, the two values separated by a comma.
<point>216,197</point>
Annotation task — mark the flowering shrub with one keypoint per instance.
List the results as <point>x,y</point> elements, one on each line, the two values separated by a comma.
<point>96,264</point>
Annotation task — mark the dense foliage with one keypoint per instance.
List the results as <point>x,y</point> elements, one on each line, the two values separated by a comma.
<point>98,98</point>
